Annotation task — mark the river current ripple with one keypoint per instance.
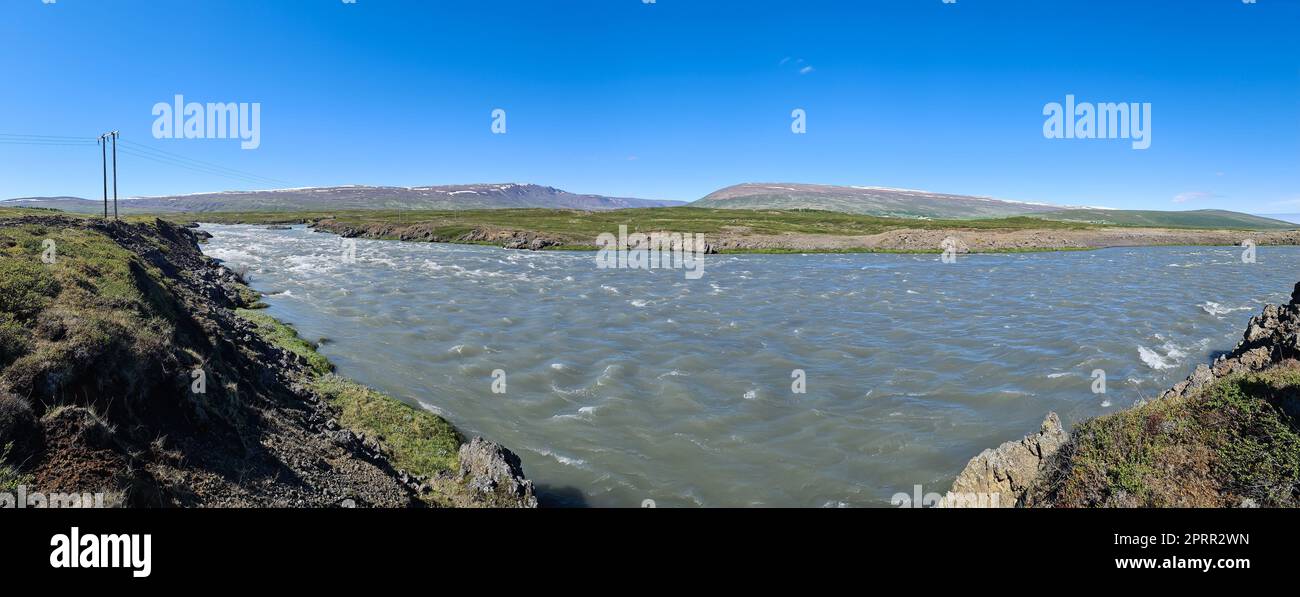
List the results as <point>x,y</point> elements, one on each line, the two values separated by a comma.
<point>628,385</point>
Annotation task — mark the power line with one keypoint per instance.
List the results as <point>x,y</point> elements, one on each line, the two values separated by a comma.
<point>50,137</point>
<point>178,157</point>
<point>44,140</point>
<point>182,165</point>
<point>138,150</point>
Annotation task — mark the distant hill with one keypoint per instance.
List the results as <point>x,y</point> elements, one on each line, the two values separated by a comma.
<point>473,196</point>
<point>1293,218</point>
<point>1200,218</point>
<point>904,203</point>
<point>875,201</point>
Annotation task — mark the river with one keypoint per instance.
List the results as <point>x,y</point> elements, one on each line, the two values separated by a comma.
<point>622,386</point>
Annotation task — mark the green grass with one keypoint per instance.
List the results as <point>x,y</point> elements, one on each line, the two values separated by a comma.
<point>96,304</point>
<point>1235,440</point>
<point>18,212</point>
<point>10,478</point>
<point>285,337</point>
<point>1203,219</point>
<point>416,440</point>
<point>583,227</point>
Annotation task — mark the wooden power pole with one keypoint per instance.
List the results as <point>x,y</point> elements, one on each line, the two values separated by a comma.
<point>104,140</point>
<point>114,175</point>
<point>103,160</point>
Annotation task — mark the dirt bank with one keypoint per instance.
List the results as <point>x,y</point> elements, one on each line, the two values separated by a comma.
<point>128,366</point>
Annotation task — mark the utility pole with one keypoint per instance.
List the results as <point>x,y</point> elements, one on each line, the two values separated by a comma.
<point>114,175</point>
<point>103,156</point>
<point>103,160</point>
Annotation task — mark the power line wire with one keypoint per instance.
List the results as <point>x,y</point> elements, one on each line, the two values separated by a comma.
<point>145,152</point>
<point>190,167</point>
<point>52,137</point>
<point>178,157</point>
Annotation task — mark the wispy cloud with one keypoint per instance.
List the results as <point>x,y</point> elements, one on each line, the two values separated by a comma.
<point>1195,196</point>
<point>799,63</point>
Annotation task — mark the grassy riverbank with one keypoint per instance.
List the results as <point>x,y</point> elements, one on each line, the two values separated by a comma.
<point>745,231</point>
<point>583,226</point>
<point>131,364</point>
<point>416,440</point>
<point>737,231</point>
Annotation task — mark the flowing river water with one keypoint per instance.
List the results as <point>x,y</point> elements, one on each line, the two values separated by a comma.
<point>630,385</point>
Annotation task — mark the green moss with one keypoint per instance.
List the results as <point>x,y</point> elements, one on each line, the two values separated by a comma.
<point>419,442</point>
<point>251,298</point>
<point>286,337</point>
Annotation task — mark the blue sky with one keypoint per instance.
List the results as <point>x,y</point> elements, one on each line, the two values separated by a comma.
<point>670,100</point>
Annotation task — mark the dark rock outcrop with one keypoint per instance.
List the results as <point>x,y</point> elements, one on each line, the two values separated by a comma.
<point>1271,337</point>
<point>494,476</point>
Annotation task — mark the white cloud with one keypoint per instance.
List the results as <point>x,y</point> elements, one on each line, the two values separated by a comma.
<point>798,64</point>
<point>1194,196</point>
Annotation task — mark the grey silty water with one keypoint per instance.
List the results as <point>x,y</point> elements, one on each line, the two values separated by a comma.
<point>627,385</point>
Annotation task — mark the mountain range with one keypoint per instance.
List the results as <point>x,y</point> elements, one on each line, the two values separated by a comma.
<point>873,201</point>
<point>472,196</point>
<point>906,203</point>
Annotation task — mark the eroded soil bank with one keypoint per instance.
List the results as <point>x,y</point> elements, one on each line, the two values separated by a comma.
<point>134,366</point>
